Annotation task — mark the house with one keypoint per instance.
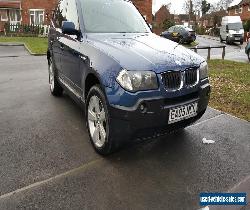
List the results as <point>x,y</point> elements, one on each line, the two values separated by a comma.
<point>34,12</point>
<point>160,17</point>
<point>145,8</point>
<point>38,12</point>
<point>241,9</point>
<point>213,19</point>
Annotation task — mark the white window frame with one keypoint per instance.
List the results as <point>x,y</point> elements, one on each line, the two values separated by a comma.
<point>6,15</point>
<point>15,15</point>
<point>236,10</point>
<point>36,10</point>
<point>240,9</point>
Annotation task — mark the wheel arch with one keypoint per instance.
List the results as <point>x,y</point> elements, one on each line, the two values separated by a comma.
<point>91,80</point>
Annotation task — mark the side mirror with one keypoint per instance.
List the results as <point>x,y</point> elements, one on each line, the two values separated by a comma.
<point>69,28</point>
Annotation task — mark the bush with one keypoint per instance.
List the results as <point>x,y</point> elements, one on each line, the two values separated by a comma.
<point>200,30</point>
<point>167,24</point>
<point>246,25</point>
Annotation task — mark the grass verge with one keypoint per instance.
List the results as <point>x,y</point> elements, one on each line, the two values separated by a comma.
<point>36,45</point>
<point>230,87</point>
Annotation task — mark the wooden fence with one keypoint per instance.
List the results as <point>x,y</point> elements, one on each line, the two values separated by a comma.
<point>26,30</point>
<point>208,48</point>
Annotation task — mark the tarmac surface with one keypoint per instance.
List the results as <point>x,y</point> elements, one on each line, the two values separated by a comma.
<point>47,161</point>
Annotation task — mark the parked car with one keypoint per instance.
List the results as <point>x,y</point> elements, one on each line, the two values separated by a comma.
<point>247,50</point>
<point>180,33</point>
<point>231,29</point>
<point>132,83</point>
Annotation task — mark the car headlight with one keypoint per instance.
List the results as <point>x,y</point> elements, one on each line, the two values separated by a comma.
<point>203,70</point>
<point>137,80</point>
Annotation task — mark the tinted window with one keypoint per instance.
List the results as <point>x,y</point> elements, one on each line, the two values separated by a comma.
<point>112,16</point>
<point>171,29</point>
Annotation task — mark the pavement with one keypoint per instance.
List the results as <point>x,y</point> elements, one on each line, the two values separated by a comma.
<point>47,161</point>
<point>234,52</point>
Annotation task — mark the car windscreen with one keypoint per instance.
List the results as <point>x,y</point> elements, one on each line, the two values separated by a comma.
<point>112,16</point>
<point>235,26</point>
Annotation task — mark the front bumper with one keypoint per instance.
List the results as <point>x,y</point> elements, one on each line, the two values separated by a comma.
<point>153,121</point>
<point>235,39</point>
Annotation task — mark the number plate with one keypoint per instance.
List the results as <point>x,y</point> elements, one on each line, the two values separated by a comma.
<point>175,34</point>
<point>182,112</point>
<point>237,38</point>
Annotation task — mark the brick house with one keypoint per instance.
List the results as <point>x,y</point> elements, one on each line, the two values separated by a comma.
<point>145,8</point>
<point>38,12</point>
<point>160,16</point>
<point>213,19</point>
<point>242,9</point>
<point>35,12</point>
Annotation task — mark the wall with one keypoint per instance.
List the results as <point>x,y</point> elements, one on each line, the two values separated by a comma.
<point>145,8</point>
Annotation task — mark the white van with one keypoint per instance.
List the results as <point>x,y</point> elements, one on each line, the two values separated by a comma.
<point>231,29</point>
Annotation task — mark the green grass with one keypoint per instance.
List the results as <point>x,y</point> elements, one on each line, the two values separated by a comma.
<point>192,44</point>
<point>230,87</point>
<point>35,44</point>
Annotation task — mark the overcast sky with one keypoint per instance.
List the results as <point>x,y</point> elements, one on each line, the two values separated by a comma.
<point>176,5</point>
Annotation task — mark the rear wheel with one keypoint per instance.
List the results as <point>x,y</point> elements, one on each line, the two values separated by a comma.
<point>54,85</point>
<point>98,121</point>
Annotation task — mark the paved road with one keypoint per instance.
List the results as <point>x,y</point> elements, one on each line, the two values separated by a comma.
<point>235,52</point>
<point>47,162</point>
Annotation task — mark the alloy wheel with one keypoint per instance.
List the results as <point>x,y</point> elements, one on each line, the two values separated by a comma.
<point>51,78</point>
<point>97,121</point>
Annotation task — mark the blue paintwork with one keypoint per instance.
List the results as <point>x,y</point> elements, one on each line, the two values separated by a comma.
<point>105,55</point>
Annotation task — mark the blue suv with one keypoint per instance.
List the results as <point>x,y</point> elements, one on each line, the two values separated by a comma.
<point>132,83</point>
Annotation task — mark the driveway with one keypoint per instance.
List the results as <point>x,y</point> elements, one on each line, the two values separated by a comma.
<point>47,161</point>
<point>234,52</point>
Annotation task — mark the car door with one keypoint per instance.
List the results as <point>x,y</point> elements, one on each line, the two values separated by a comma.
<point>70,45</point>
<point>56,34</point>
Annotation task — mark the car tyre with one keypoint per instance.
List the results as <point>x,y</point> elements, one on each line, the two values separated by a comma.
<point>227,40</point>
<point>98,122</point>
<point>248,55</point>
<point>241,42</point>
<point>55,87</point>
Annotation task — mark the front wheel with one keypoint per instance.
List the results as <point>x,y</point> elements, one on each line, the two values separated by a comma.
<point>98,121</point>
<point>55,88</point>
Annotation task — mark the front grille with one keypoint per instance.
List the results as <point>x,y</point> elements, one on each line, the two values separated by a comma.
<point>190,76</point>
<point>172,79</point>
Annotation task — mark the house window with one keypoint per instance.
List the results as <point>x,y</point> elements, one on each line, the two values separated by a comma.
<point>249,8</point>
<point>4,15</point>
<point>236,10</point>
<point>240,10</point>
<point>15,16</point>
<point>36,17</point>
